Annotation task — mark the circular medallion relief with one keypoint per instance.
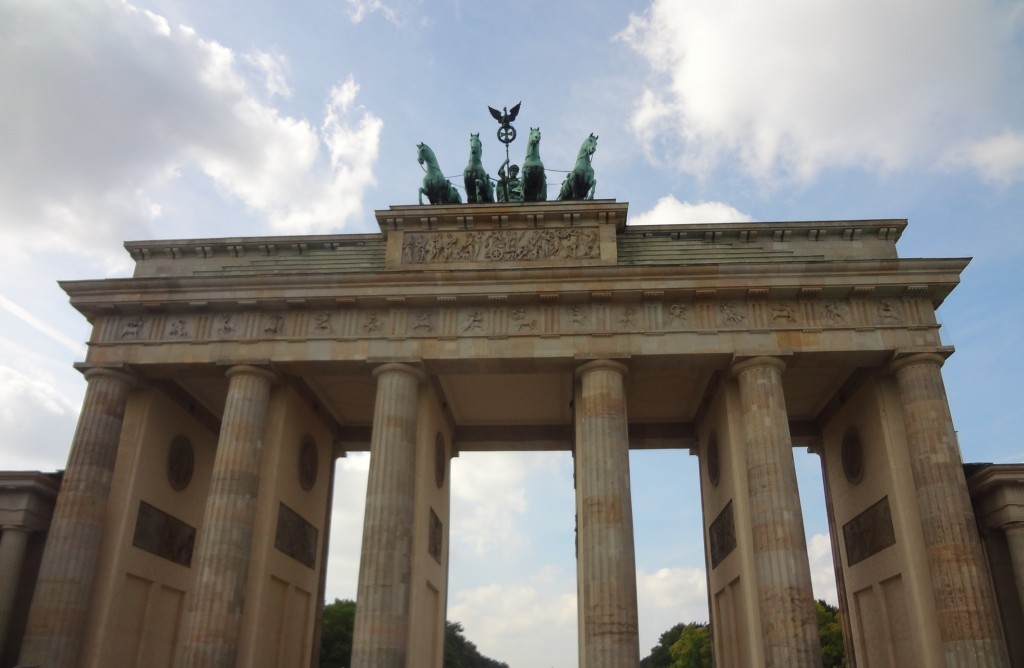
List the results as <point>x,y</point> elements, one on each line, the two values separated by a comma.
<point>309,463</point>
<point>853,457</point>
<point>181,463</point>
<point>440,460</point>
<point>714,463</point>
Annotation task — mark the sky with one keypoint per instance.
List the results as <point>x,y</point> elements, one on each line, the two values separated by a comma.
<point>158,119</point>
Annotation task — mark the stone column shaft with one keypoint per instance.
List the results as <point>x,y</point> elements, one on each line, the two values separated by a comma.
<point>58,616</point>
<point>607,557</point>
<point>13,542</point>
<point>788,617</point>
<point>964,599</point>
<point>221,565</point>
<point>1015,541</point>
<point>381,635</point>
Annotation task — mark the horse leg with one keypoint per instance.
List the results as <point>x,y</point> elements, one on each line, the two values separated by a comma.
<point>593,188</point>
<point>422,193</point>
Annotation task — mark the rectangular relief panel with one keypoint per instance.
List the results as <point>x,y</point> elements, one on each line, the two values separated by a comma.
<point>164,535</point>
<point>869,533</point>
<point>722,536</point>
<point>295,536</point>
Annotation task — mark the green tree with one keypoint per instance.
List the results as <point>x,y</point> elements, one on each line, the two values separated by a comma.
<point>661,655</point>
<point>830,631</point>
<point>336,634</point>
<point>693,648</point>
<point>461,653</point>
<point>682,646</point>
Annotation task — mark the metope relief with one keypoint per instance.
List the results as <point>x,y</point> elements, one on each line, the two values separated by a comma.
<point>501,245</point>
<point>179,328</point>
<point>373,323</point>
<point>833,313</point>
<point>731,314</point>
<point>423,322</point>
<point>226,325</point>
<point>679,314</point>
<point>889,313</point>
<point>522,322</point>
<point>273,324</point>
<point>131,328</point>
<point>578,317</point>
<point>322,322</point>
<point>473,322</point>
<point>783,313</point>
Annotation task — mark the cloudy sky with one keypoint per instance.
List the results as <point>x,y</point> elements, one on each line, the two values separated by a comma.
<point>181,118</point>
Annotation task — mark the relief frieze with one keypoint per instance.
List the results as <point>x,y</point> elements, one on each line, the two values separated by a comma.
<point>501,246</point>
<point>500,318</point>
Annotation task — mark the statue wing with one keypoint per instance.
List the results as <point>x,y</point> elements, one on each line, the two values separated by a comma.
<point>495,113</point>
<point>514,112</point>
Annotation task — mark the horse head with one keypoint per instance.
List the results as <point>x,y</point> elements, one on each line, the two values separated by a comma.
<point>424,154</point>
<point>589,145</point>
<point>534,139</point>
<point>475,148</point>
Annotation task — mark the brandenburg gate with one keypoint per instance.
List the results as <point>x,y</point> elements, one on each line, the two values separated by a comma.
<point>226,375</point>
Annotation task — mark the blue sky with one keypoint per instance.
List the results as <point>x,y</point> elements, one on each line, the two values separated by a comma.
<point>176,119</point>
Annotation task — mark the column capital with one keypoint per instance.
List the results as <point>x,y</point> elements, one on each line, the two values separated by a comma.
<point>905,358</point>
<point>252,371</point>
<point>741,364</point>
<point>389,367</point>
<point>121,375</point>
<point>607,364</point>
<point>16,527</point>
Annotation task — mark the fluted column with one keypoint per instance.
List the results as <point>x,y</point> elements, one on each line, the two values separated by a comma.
<point>381,635</point>
<point>221,565</point>
<point>964,600</point>
<point>1015,541</point>
<point>13,542</point>
<point>788,618</point>
<point>57,618</point>
<point>607,559</point>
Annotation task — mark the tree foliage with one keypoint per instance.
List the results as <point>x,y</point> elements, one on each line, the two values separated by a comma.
<point>336,634</point>
<point>690,645</point>
<point>830,631</point>
<point>461,653</point>
<point>336,641</point>
<point>682,646</point>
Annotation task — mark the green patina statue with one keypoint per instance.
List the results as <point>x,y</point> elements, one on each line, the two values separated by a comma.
<point>436,187</point>
<point>510,188</point>
<point>535,184</point>
<point>580,182</point>
<point>478,181</point>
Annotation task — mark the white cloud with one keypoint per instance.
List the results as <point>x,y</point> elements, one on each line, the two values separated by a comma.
<point>791,87</point>
<point>94,127</point>
<point>667,597</point>
<point>360,9</point>
<point>37,418</point>
<point>487,503</point>
<point>527,624</point>
<point>273,66</point>
<point>823,578</point>
<point>999,159</point>
<point>350,478</point>
<point>670,211</point>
